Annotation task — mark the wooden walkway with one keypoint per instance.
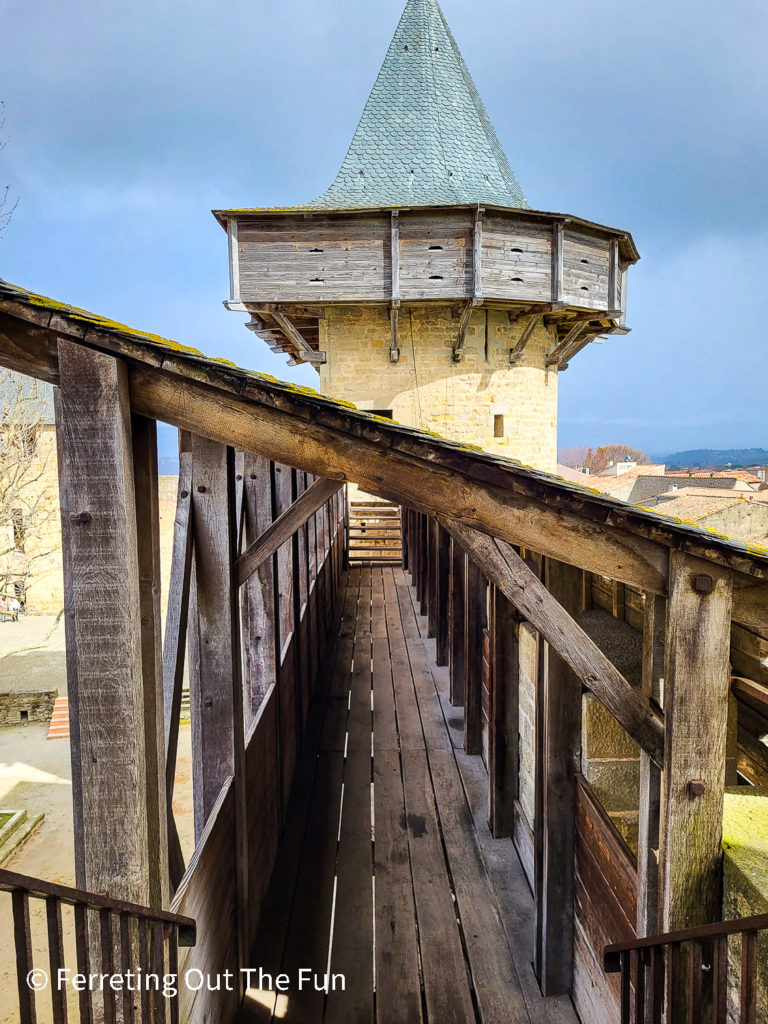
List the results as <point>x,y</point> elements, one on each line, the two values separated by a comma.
<point>387,873</point>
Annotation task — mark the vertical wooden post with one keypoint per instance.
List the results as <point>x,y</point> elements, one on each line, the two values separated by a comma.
<point>732,742</point>
<point>654,627</point>
<point>213,629</point>
<point>443,575</point>
<point>258,593</point>
<point>474,620</point>
<point>696,687</point>
<point>558,740</point>
<point>114,796</point>
<point>215,670</point>
<point>423,591</point>
<point>144,450</point>
<point>457,605</point>
<point>619,600</point>
<point>504,716</point>
<point>432,583</point>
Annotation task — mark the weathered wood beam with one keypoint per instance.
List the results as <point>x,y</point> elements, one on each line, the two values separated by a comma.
<point>516,353</point>
<point>145,471</point>
<point>394,344</point>
<point>504,567</point>
<point>395,255</point>
<point>228,405</point>
<point>116,845</point>
<point>571,336</point>
<point>303,348</point>
<point>458,345</point>
<point>558,741</point>
<point>214,669</point>
<point>474,623</point>
<point>581,343</point>
<point>614,275</point>
<point>477,255</point>
<point>284,527</point>
<point>558,233</point>
<point>696,687</point>
<point>234,261</point>
<point>457,650</point>
<point>175,645</point>
<point>654,629</point>
<point>504,717</point>
<point>258,594</point>
<point>443,571</point>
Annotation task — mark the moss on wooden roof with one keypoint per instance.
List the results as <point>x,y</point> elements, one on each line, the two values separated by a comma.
<point>14,299</point>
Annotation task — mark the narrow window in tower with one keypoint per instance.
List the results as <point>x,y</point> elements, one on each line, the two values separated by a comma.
<point>498,426</point>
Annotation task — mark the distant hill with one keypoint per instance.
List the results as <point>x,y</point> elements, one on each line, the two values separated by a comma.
<point>702,458</point>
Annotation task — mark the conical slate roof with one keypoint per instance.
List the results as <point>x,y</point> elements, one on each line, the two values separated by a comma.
<point>425,138</point>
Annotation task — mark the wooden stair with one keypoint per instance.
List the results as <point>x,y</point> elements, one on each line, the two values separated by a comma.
<point>59,724</point>
<point>374,533</point>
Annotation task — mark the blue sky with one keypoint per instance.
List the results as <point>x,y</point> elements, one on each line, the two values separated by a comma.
<point>128,123</point>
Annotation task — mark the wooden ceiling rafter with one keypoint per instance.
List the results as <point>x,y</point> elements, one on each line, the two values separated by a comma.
<point>522,506</point>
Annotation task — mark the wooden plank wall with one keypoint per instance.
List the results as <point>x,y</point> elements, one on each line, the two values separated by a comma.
<point>585,270</point>
<point>348,257</point>
<point>309,572</point>
<point>605,907</point>
<point>302,260</point>
<point>517,258</point>
<point>749,658</point>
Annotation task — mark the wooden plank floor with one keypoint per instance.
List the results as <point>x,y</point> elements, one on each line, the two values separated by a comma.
<point>387,873</point>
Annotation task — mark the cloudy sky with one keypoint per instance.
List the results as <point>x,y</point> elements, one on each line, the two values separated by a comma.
<point>128,123</point>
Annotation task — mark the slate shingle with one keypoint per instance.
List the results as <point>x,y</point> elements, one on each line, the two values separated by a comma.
<point>425,138</point>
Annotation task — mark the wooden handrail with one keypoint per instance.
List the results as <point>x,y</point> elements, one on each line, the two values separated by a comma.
<point>749,688</point>
<point>611,954</point>
<point>665,973</point>
<point>39,889</point>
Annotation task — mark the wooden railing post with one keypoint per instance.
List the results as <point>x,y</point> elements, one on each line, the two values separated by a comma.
<point>443,575</point>
<point>456,629</point>
<point>432,584</point>
<point>215,676</point>
<point>474,620</point>
<point>258,592</point>
<point>696,688</point>
<point>144,448</point>
<point>503,784</point>
<point>117,796</point>
<point>558,740</point>
<point>654,626</point>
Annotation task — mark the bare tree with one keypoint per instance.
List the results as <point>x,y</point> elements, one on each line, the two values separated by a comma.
<point>598,459</point>
<point>575,457</point>
<point>7,203</point>
<point>26,507</point>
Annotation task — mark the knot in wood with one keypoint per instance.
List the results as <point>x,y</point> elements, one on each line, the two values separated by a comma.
<point>184,494</point>
<point>80,518</point>
<point>703,584</point>
<point>201,489</point>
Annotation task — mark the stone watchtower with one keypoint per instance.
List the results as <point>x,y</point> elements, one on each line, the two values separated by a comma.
<point>421,284</point>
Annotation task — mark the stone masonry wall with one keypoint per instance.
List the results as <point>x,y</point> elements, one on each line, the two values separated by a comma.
<point>426,389</point>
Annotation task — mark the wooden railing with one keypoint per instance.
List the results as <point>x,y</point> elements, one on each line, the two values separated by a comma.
<point>130,939</point>
<point>683,976</point>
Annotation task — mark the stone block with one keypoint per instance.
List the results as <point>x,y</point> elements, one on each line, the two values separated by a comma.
<point>745,880</point>
<point>616,783</point>
<point>601,734</point>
